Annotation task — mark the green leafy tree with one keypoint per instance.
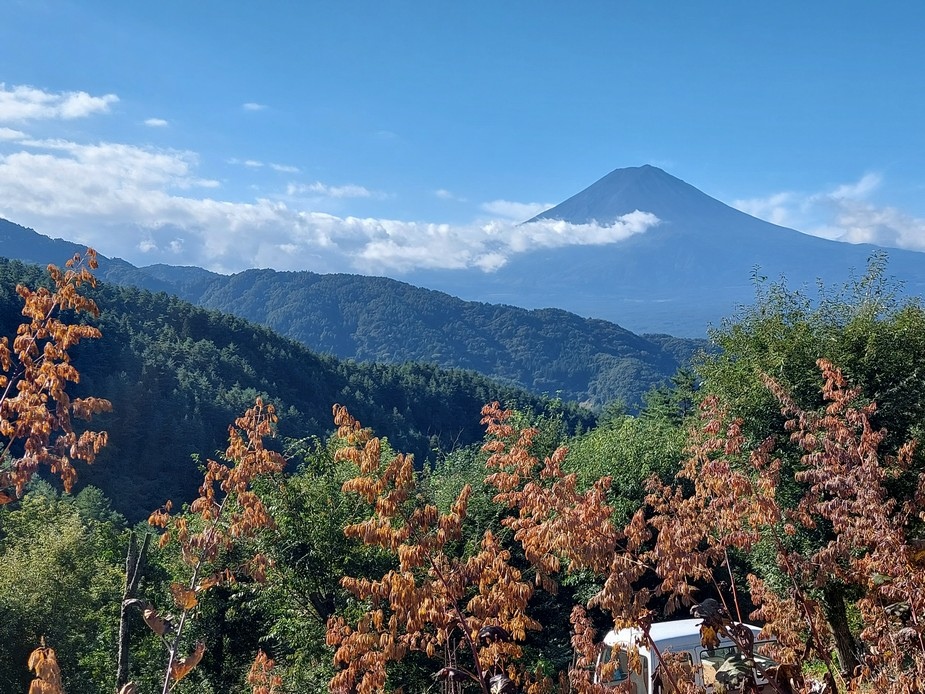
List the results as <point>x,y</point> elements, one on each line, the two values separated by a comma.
<point>874,338</point>
<point>60,578</point>
<point>309,554</point>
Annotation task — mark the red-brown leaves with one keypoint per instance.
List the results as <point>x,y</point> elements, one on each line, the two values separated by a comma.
<point>154,621</point>
<point>35,408</point>
<point>181,667</point>
<point>227,508</point>
<point>262,678</point>
<point>44,663</point>
<point>865,535</point>
<point>726,498</point>
<point>559,526</point>
<point>586,645</point>
<point>435,597</point>
<point>226,512</point>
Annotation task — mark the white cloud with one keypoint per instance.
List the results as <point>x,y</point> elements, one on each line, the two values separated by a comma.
<point>403,246</point>
<point>849,191</point>
<point>10,134</point>
<point>555,233</point>
<point>284,168</point>
<point>518,211</point>
<point>23,103</point>
<point>147,205</point>
<point>861,222</point>
<point>253,106</point>
<point>58,179</point>
<point>156,123</point>
<point>445,194</point>
<point>324,190</point>
<point>842,213</point>
<point>775,208</point>
<point>257,164</point>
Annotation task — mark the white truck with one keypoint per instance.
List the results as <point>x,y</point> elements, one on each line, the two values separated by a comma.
<point>713,669</point>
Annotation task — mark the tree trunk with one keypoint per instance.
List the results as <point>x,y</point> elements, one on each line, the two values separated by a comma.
<point>134,558</point>
<point>837,615</point>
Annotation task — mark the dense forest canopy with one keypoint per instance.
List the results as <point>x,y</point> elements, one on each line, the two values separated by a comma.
<point>177,375</point>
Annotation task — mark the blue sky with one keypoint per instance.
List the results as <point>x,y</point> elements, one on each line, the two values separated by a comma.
<point>376,137</point>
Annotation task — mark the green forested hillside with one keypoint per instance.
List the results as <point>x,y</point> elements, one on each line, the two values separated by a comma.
<point>375,319</point>
<point>178,375</point>
<point>547,351</point>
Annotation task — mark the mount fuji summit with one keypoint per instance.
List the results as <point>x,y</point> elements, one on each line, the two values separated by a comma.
<point>681,275</point>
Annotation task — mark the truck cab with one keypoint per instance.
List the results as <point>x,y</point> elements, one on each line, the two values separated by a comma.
<point>712,668</point>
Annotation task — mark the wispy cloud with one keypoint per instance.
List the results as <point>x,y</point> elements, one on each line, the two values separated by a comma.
<point>445,194</point>
<point>21,103</point>
<point>10,134</point>
<point>519,211</point>
<point>327,191</point>
<point>843,213</point>
<point>156,123</point>
<point>777,208</point>
<point>148,205</point>
<point>257,164</point>
<point>284,168</point>
<point>253,106</point>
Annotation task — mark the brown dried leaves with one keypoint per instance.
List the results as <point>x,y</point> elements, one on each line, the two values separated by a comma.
<point>35,408</point>
<point>44,663</point>
<point>435,595</point>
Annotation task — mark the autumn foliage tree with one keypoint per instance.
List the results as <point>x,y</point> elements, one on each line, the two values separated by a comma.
<point>469,608</point>
<point>226,512</point>
<point>870,541</point>
<point>36,412</point>
<point>37,428</point>
<point>729,498</point>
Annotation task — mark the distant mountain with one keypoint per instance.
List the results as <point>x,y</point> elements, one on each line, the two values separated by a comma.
<point>374,319</point>
<point>679,277</point>
<point>28,246</point>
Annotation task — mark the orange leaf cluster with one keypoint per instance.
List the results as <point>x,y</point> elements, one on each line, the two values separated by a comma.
<point>562,528</point>
<point>726,498</point>
<point>586,647</point>
<point>869,542</point>
<point>44,663</point>
<point>227,511</point>
<point>181,667</point>
<point>227,507</point>
<point>261,677</point>
<point>435,595</point>
<point>36,412</point>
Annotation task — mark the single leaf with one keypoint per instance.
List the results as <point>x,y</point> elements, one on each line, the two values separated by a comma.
<point>184,598</point>
<point>154,621</point>
<point>184,666</point>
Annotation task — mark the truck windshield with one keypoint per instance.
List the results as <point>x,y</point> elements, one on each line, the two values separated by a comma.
<point>727,663</point>
<point>621,671</point>
<point>723,653</point>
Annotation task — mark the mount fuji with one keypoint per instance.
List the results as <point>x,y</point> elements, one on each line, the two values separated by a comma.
<point>682,275</point>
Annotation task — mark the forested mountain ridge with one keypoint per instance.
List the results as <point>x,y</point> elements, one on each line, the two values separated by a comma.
<point>177,376</point>
<point>547,351</point>
<point>375,319</point>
